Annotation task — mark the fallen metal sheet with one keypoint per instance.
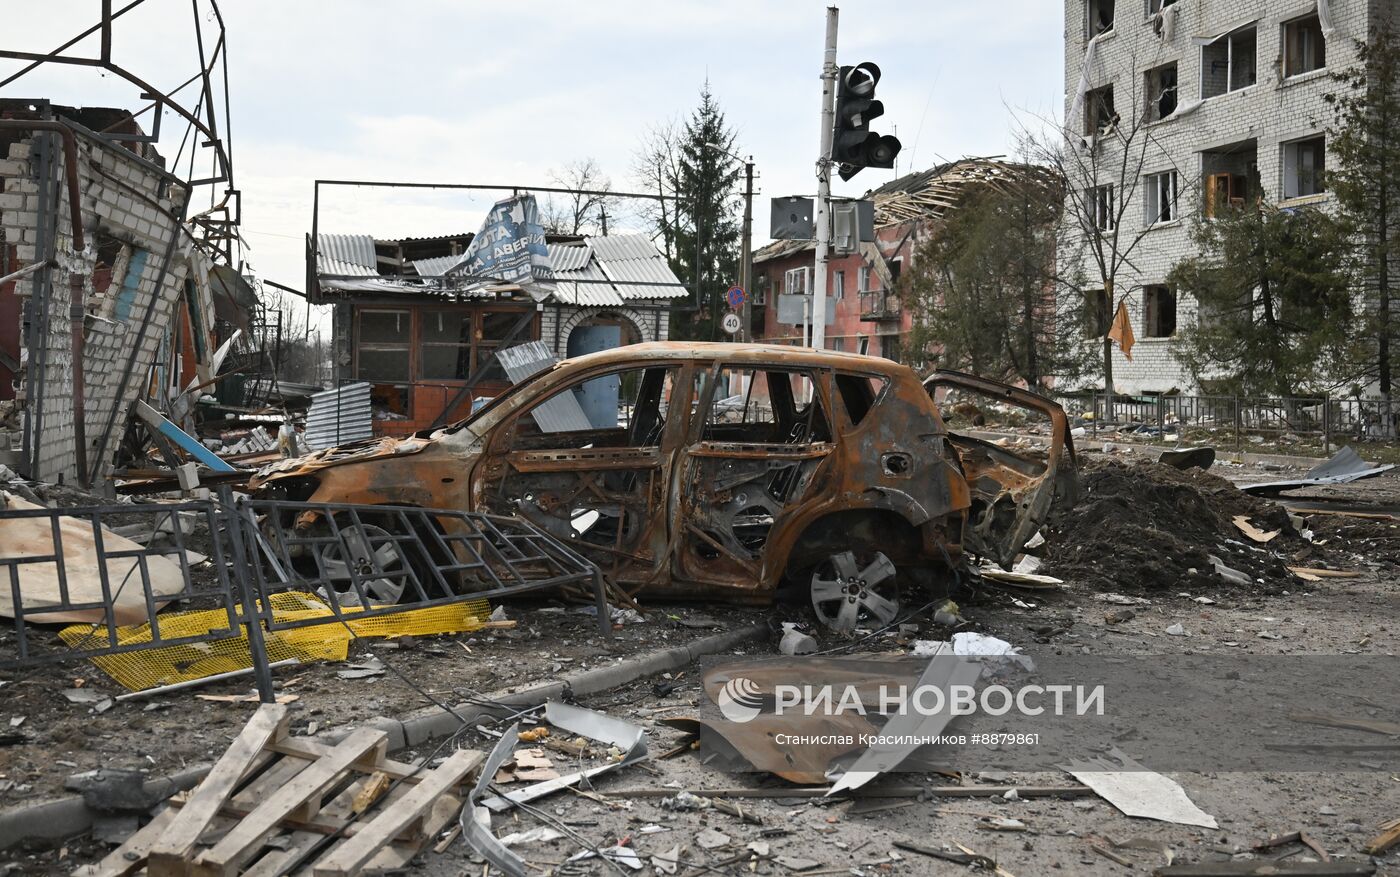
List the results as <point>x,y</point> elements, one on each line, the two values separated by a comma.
<point>629,738</point>
<point>754,741</point>
<point>476,819</point>
<point>1188,458</point>
<point>339,416</point>
<point>880,757</point>
<point>1137,791</point>
<point>1345,467</point>
<point>559,413</point>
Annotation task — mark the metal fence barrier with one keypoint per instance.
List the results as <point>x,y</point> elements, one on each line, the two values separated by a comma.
<point>1326,420</point>
<point>362,562</point>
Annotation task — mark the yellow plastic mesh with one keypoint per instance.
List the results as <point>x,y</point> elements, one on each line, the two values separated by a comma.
<point>166,665</point>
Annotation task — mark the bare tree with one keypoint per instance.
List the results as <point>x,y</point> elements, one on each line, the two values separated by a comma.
<point>586,208</point>
<point>1101,151</point>
<point>656,168</point>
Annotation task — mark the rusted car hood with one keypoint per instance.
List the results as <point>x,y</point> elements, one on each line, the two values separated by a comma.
<point>354,452</point>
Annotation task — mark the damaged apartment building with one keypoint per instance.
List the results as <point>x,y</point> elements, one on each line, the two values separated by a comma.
<point>105,297</point>
<point>425,346</point>
<point>1232,99</point>
<point>866,312</point>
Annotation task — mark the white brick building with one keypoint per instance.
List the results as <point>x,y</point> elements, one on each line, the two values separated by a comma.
<point>1232,91</point>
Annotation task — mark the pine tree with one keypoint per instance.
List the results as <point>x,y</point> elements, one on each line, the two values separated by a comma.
<point>1274,301</point>
<point>1365,149</point>
<point>707,227</point>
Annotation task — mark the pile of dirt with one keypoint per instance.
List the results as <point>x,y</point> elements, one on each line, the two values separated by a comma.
<point>1146,526</point>
<point>1359,540</point>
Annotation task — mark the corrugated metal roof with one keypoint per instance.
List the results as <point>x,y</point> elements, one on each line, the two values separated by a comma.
<point>348,254</point>
<point>436,266</point>
<point>339,416</point>
<point>568,257</point>
<point>631,261</point>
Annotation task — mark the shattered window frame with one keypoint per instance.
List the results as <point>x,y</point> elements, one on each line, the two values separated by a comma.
<point>463,346</point>
<point>1304,46</point>
<point>404,348</point>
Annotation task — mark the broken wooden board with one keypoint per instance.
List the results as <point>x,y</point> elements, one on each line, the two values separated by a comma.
<point>1373,726</point>
<point>1271,868</point>
<point>1389,837</point>
<point>1313,574</point>
<point>260,810</point>
<point>1020,579</point>
<point>1255,534</point>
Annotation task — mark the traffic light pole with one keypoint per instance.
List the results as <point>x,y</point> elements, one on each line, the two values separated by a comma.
<point>829,74</point>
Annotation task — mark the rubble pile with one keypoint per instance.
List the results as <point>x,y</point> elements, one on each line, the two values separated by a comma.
<point>1148,526</point>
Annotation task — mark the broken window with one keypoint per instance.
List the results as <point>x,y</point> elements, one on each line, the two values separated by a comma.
<point>838,285</point>
<point>859,394</point>
<point>495,331</point>
<point>1099,115</point>
<point>1304,49</point>
<point>772,410</point>
<point>863,345</point>
<point>863,279</point>
<point>1228,63</point>
<point>1100,16</point>
<point>1101,207</point>
<point>1096,317</point>
<point>383,342</point>
<point>1159,310</point>
<point>1231,176</point>
<point>890,347</point>
<point>1161,92</point>
<point>447,345</point>
<point>1304,165</point>
<point>1156,6</point>
<point>1161,197</point>
<point>796,281</point>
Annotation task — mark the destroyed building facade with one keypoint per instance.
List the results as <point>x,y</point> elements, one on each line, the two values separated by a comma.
<point>427,347</point>
<point>869,316</point>
<point>1232,98</point>
<point>102,306</point>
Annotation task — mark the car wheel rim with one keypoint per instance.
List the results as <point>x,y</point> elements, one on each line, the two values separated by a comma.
<point>368,553</point>
<point>846,592</point>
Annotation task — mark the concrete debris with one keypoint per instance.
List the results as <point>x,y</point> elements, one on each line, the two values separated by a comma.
<point>795,642</point>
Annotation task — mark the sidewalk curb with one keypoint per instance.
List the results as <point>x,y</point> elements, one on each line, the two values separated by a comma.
<point>426,724</point>
<point>66,817</point>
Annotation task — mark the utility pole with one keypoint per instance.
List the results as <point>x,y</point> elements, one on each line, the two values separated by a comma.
<point>746,255</point>
<point>829,73</point>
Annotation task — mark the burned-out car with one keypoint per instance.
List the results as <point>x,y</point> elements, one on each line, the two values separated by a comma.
<point>724,471</point>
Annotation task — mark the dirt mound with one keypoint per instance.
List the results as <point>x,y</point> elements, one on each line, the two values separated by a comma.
<point>1147,526</point>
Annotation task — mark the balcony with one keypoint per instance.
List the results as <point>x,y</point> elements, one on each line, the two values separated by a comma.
<point>879,305</point>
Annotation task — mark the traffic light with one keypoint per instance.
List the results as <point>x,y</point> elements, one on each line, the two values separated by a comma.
<point>854,145</point>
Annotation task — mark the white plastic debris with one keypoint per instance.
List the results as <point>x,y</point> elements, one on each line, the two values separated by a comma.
<point>969,643</point>
<point>794,642</point>
<point>1177,630</point>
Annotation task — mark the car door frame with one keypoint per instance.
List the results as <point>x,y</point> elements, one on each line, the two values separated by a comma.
<point>497,456</point>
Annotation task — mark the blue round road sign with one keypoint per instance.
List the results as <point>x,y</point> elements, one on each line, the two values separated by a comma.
<point>735,295</point>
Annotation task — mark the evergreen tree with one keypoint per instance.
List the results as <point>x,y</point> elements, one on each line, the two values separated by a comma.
<point>704,227</point>
<point>1274,304</point>
<point>1365,151</point>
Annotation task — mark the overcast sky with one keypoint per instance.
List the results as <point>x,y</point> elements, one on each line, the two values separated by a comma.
<point>476,92</point>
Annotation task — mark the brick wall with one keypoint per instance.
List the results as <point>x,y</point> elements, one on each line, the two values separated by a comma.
<point>123,203</point>
<point>1272,112</point>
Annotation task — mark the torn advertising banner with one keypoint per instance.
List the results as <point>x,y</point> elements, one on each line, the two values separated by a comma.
<point>510,248</point>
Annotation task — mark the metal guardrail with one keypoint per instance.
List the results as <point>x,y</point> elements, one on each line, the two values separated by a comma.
<point>370,560</point>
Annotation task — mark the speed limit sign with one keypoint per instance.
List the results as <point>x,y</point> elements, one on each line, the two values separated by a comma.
<point>731,323</point>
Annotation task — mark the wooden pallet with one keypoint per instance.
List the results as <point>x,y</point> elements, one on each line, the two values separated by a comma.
<point>272,803</point>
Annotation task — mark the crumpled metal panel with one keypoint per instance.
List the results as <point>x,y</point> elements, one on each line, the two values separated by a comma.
<point>562,413</point>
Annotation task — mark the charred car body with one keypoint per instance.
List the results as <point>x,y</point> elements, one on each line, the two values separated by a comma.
<point>721,471</point>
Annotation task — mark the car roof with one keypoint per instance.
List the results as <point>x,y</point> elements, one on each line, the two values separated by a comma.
<point>705,351</point>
